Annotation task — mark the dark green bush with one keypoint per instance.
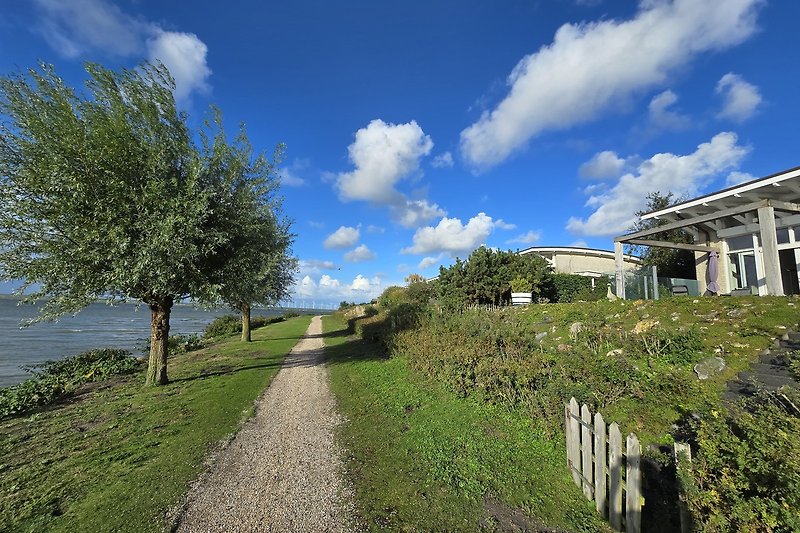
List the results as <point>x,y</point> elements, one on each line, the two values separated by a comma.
<point>745,475</point>
<point>223,326</point>
<point>565,288</point>
<point>55,379</point>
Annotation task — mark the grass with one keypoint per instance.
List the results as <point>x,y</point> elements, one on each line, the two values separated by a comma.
<point>117,456</point>
<point>422,459</point>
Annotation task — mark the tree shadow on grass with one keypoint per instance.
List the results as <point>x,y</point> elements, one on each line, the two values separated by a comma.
<point>355,349</point>
<point>225,371</point>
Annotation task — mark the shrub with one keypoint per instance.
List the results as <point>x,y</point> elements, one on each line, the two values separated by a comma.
<point>55,379</point>
<point>745,475</point>
<point>223,326</point>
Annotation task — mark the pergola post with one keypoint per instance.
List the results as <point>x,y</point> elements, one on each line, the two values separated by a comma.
<point>769,247</point>
<point>619,264</point>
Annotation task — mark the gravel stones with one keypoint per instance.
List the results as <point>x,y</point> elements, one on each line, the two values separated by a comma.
<point>283,470</point>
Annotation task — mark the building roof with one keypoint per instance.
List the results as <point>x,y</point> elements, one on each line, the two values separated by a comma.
<point>576,250</point>
<point>784,186</point>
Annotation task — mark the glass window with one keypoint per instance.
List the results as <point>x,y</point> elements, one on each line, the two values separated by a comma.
<point>783,235</point>
<point>743,242</point>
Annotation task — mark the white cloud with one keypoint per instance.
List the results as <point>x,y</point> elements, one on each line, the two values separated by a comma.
<point>383,154</point>
<point>526,238</point>
<point>316,224</point>
<point>662,117</point>
<point>88,27</point>
<point>502,224</point>
<point>428,262</point>
<point>375,229</point>
<point>360,289</point>
<point>679,174</point>
<point>741,99</point>
<point>290,175</point>
<point>580,243</point>
<point>314,266</point>
<point>360,254</point>
<point>184,54</point>
<point>344,237</point>
<point>79,27</point>
<point>736,177</point>
<point>451,236</point>
<point>444,160</point>
<point>591,67</point>
<point>414,213</point>
<point>603,165</point>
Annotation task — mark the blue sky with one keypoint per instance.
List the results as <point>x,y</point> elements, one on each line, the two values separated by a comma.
<point>417,131</point>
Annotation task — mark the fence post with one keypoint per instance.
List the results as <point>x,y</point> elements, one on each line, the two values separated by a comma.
<point>655,282</point>
<point>615,477</point>
<point>586,452</point>
<point>600,460</point>
<point>574,445</point>
<point>633,486</point>
<point>683,457</point>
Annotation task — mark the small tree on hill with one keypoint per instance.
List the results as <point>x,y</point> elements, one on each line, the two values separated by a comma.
<point>670,263</point>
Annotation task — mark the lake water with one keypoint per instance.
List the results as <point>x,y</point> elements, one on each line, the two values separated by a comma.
<point>97,326</point>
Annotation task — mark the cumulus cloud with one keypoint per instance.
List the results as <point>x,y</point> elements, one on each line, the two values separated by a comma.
<point>603,165</point>
<point>736,177</point>
<point>444,160</point>
<point>740,98</point>
<point>590,67</point>
<point>662,117</point>
<point>290,175</point>
<point>451,236</point>
<point>502,224</point>
<point>87,27</point>
<point>679,174</point>
<point>361,288</point>
<point>78,27</point>
<point>526,238</point>
<point>383,155</point>
<point>360,254</point>
<point>428,262</point>
<point>344,237</point>
<point>314,266</point>
<point>414,213</point>
<point>184,54</point>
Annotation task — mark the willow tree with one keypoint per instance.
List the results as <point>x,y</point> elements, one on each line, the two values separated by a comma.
<point>255,265</point>
<point>104,195</point>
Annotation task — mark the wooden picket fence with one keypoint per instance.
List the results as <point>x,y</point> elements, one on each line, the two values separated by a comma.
<point>596,460</point>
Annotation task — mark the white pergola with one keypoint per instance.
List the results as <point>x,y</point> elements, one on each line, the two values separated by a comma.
<point>759,207</point>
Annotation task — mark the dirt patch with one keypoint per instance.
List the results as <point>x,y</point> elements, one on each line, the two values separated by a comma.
<point>506,519</point>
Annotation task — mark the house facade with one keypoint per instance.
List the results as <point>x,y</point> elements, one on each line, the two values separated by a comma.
<point>754,227</point>
<point>582,261</point>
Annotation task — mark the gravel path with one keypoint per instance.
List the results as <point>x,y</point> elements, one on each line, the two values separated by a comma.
<point>282,471</point>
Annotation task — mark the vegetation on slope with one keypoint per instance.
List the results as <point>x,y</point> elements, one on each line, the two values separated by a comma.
<point>632,361</point>
<point>116,456</point>
<point>422,459</point>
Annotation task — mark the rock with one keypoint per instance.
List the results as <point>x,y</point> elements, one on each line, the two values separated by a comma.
<point>575,328</point>
<point>675,317</point>
<point>737,313</point>
<point>645,325</point>
<point>614,353</point>
<point>709,367</point>
<point>564,347</point>
<point>540,336</point>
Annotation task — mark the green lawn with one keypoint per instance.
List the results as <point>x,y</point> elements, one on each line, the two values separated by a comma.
<point>422,459</point>
<point>118,456</point>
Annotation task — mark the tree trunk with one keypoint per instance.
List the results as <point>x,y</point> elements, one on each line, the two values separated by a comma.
<point>160,309</point>
<point>246,323</point>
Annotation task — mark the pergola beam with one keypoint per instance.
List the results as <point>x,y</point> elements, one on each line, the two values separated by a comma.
<point>695,220</point>
<point>674,245</point>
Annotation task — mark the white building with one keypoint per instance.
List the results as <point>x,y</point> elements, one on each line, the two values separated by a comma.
<point>582,261</point>
<point>754,227</point>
